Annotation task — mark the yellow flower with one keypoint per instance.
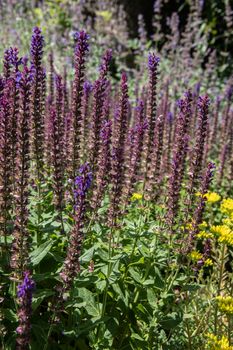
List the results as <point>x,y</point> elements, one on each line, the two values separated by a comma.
<point>212,197</point>
<point>228,221</point>
<point>195,255</point>
<point>218,344</point>
<point>204,235</point>
<point>189,226</point>
<point>227,206</point>
<point>224,234</point>
<point>208,262</point>
<point>203,225</point>
<point>136,196</point>
<point>225,304</point>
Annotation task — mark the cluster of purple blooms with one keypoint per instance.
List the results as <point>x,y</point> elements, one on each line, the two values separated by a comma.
<point>90,135</point>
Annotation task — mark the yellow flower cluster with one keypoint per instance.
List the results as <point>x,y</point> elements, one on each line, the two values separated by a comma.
<point>211,197</point>
<point>227,206</point>
<point>218,344</point>
<point>208,262</point>
<point>195,255</point>
<point>228,221</point>
<point>224,234</point>
<point>225,304</point>
<point>203,225</point>
<point>204,235</point>
<point>136,197</point>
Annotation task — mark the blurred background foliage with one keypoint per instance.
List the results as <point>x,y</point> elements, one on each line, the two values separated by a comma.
<point>206,24</point>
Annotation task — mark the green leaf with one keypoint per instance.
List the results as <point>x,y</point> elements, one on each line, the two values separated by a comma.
<point>10,315</point>
<point>139,262</point>
<point>151,297</point>
<point>87,255</point>
<point>93,310</point>
<point>170,320</point>
<point>137,336</point>
<point>39,253</point>
<point>135,275</point>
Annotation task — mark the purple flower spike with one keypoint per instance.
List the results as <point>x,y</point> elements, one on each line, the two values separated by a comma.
<point>82,182</point>
<point>81,38</point>
<point>25,290</point>
<point>80,52</point>
<point>87,87</point>
<point>103,164</point>
<point>198,152</point>
<point>153,61</point>
<point>37,44</point>
<point>104,67</point>
<point>71,264</point>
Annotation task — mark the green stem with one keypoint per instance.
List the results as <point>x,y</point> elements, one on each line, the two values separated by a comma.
<point>222,264</point>
<point>110,250</point>
<point>49,332</point>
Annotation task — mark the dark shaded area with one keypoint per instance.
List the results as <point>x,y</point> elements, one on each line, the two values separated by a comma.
<point>213,14</point>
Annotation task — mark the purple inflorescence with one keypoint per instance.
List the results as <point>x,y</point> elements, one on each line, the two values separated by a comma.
<point>81,38</point>
<point>24,293</point>
<point>153,61</point>
<point>37,43</point>
<point>26,288</point>
<point>198,152</point>
<point>71,263</point>
<point>83,181</point>
<point>104,67</point>
<point>80,51</point>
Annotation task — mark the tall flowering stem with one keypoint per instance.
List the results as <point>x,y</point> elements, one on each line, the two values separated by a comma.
<point>20,248</point>
<point>103,165</point>
<point>199,211</point>
<point>24,312</point>
<point>37,43</point>
<point>5,158</point>
<point>81,49</point>
<point>87,89</point>
<point>58,163</point>
<point>51,77</point>
<point>153,62</point>
<point>99,96</point>
<point>198,152</point>
<point>60,115</point>
<point>71,264</point>
<point>136,150</point>
<point>14,62</point>
<point>179,158</point>
<point>154,169</point>
<point>118,153</point>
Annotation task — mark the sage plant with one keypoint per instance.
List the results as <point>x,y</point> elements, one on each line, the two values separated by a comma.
<point>81,49</point>
<point>99,96</point>
<point>20,244</point>
<point>24,312</point>
<point>37,43</point>
<point>179,158</point>
<point>198,151</point>
<point>118,153</point>
<point>5,158</point>
<point>71,265</point>
<point>103,165</point>
<point>58,164</point>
